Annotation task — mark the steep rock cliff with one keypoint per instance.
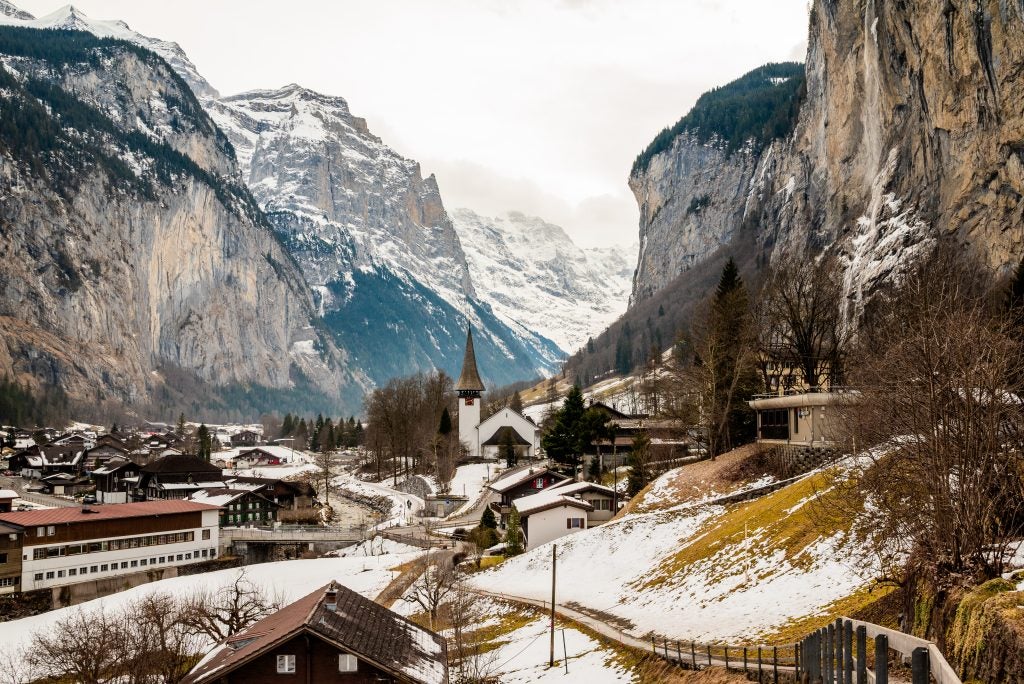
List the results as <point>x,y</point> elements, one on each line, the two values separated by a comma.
<point>130,249</point>
<point>911,128</point>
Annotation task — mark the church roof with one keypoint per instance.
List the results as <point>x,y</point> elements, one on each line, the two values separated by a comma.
<point>469,379</point>
<point>499,437</point>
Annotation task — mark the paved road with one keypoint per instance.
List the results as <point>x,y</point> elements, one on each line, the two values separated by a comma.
<point>18,485</point>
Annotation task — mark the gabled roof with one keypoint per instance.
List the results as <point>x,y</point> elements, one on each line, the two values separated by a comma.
<point>499,437</point>
<point>469,379</point>
<point>569,487</point>
<point>350,622</point>
<point>222,496</point>
<point>515,479</point>
<point>535,503</point>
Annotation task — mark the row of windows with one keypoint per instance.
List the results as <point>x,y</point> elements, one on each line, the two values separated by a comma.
<point>10,581</point>
<point>600,504</point>
<point>346,663</point>
<point>116,544</point>
<point>125,565</point>
<point>245,517</point>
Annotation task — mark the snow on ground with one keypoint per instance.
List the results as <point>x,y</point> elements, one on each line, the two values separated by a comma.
<point>698,572</point>
<point>524,657</point>
<point>404,507</point>
<point>378,546</point>
<point>289,580</point>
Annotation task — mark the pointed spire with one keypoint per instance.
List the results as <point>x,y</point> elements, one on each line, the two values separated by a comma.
<point>469,380</point>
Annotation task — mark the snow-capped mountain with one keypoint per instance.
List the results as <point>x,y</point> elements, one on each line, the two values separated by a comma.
<point>71,18</point>
<point>372,236</point>
<point>530,271</point>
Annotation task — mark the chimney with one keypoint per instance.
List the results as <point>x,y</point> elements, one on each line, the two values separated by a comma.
<point>331,598</point>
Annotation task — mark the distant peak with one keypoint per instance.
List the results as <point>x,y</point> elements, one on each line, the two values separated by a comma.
<point>9,9</point>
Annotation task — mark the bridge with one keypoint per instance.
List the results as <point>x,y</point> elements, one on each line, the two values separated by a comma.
<point>257,541</point>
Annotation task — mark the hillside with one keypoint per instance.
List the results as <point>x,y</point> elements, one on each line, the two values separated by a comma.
<point>696,570</point>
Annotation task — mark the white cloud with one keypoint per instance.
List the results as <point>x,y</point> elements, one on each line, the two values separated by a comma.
<point>550,100</point>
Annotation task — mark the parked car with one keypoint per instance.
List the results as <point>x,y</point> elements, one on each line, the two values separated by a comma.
<point>23,507</point>
<point>89,499</point>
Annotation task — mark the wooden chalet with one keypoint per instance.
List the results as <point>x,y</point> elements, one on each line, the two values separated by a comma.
<point>10,558</point>
<point>330,635</point>
<point>245,438</point>
<point>519,484</point>
<point>116,480</point>
<point>176,476</point>
<point>286,494</point>
<point>239,507</point>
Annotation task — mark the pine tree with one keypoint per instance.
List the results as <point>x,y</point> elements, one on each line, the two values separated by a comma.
<point>572,429</point>
<point>639,474</point>
<point>516,402</point>
<point>181,425</point>
<point>205,448</point>
<point>513,534</point>
<point>358,433</point>
<point>287,425</point>
<point>445,427</point>
<point>488,519</point>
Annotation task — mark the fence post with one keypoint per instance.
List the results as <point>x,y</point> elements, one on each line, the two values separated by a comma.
<point>848,651</point>
<point>830,653</point>
<point>839,652</point>
<point>666,648</point>
<point>822,646</point>
<point>919,666</point>
<point>744,659</point>
<point>727,657</point>
<point>797,652</point>
<point>654,644</point>
<point>881,659</point>
<point>862,655</point>
<point>775,664</point>
<point>758,665</point>
<point>709,655</point>
<point>693,655</point>
<point>679,653</point>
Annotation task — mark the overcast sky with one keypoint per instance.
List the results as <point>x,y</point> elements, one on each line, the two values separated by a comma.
<point>536,106</point>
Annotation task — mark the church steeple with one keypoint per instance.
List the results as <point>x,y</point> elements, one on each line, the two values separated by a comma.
<point>469,383</point>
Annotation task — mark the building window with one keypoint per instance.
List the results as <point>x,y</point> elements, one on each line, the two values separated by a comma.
<point>135,563</point>
<point>163,559</point>
<point>143,562</point>
<point>60,573</point>
<point>49,575</point>
<point>573,523</point>
<point>104,567</point>
<point>538,483</point>
<point>82,571</point>
<point>72,572</point>
<point>93,568</point>
<point>124,565</point>
<point>9,581</point>
<point>50,531</point>
<point>347,663</point>
<point>285,664</point>
<point>3,557</point>
<point>38,577</point>
<point>206,534</point>
<point>40,531</point>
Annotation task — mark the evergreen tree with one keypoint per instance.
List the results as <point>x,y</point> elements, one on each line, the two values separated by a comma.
<point>590,345</point>
<point>572,429</point>
<point>301,435</point>
<point>205,442</point>
<point>513,534</point>
<point>113,429</point>
<point>357,434</point>
<point>639,474</point>
<point>594,471</point>
<point>287,425</point>
<point>661,310</point>
<point>445,427</point>
<point>488,519</point>
<point>516,402</point>
<point>181,425</point>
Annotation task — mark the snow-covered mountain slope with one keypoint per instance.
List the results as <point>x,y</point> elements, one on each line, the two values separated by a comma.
<point>372,236</point>
<point>532,273</point>
<point>71,18</point>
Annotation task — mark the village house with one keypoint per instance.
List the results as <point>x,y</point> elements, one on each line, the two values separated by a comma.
<point>106,448</point>
<point>603,499</point>
<point>330,635</point>
<point>65,484</point>
<point>61,546</point>
<point>239,507</point>
<point>288,495</point>
<point>549,515</point>
<point>263,456</point>
<point>116,479</point>
<point>7,497</point>
<point>176,476</point>
<point>245,438</point>
<point>505,490</point>
<point>38,461</point>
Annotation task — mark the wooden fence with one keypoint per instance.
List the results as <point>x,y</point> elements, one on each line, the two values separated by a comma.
<point>837,654</point>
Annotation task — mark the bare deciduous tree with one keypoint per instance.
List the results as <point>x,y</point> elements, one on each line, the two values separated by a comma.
<point>85,646</point>
<point>228,610</point>
<point>436,580</point>
<point>469,661</point>
<point>945,483</point>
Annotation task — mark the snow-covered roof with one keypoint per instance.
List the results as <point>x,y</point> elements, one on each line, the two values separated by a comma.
<point>548,499</point>
<point>283,453</point>
<point>515,479</point>
<point>569,487</point>
<point>8,494</point>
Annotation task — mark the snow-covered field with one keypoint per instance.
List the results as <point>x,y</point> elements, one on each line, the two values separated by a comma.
<point>698,571</point>
<point>524,657</point>
<point>288,580</point>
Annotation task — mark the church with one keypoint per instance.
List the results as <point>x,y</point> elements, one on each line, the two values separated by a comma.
<point>484,439</point>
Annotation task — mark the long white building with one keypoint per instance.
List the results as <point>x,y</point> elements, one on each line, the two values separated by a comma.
<point>62,546</point>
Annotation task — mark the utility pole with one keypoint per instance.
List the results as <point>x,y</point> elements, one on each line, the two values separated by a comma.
<point>551,659</point>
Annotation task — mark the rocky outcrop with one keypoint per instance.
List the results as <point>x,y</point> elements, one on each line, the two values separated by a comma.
<point>130,249</point>
<point>691,199</point>
<point>911,128</point>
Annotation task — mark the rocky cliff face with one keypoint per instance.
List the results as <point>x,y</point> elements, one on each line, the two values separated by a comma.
<point>911,128</point>
<point>130,249</point>
<point>535,275</point>
<point>372,237</point>
<point>691,201</point>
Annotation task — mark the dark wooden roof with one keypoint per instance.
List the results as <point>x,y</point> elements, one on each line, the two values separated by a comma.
<point>469,379</point>
<point>355,624</point>
<point>498,438</point>
<point>181,464</point>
